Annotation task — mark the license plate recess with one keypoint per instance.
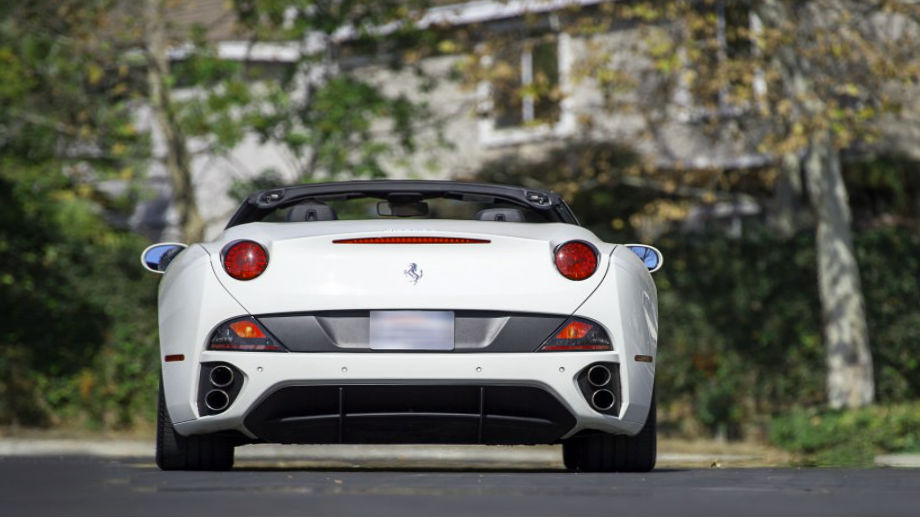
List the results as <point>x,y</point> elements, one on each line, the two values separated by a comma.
<point>412,330</point>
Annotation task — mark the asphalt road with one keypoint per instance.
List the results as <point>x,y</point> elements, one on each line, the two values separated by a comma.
<point>68,485</point>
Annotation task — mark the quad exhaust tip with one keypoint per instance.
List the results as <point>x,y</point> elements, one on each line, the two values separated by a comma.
<point>217,400</point>
<point>599,376</point>
<point>221,376</point>
<point>603,399</point>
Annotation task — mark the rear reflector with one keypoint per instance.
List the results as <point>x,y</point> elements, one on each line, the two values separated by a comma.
<point>174,357</point>
<point>243,334</point>
<point>411,240</point>
<point>578,334</point>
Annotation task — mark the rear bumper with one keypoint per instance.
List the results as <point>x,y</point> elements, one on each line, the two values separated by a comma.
<point>399,397</point>
<point>441,414</point>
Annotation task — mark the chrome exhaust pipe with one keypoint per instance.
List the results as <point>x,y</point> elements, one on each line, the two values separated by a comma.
<point>221,376</point>
<point>603,400</point>
<point>599,376</point>
<point>216,400</point>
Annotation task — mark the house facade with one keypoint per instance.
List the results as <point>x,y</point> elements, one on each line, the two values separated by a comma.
<point>529,45</point>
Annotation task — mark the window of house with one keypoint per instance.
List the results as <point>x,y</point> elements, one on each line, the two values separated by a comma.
<point>525,88</point>
<point>261,70</point>
<point>187,73</point>
<point>724,48</point>
<point>524,98</point>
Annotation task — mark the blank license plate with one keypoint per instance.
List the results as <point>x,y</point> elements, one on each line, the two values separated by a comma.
<point>412,330</point>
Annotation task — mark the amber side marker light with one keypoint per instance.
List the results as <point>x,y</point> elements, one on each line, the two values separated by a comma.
<point>411,240</point>
<point>174,357</point>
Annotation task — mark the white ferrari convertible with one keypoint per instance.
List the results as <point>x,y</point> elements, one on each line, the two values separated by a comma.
<point>407,312</point>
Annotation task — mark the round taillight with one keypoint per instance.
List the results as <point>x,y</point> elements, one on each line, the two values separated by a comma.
<point>245,260</point>
<point>576,260</point>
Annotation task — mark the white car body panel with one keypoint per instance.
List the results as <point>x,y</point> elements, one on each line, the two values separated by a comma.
<point>515,272</point>
<point>637,332</point>
<point>307,272</point>
<point>554,372</point>
<point>191,302</point>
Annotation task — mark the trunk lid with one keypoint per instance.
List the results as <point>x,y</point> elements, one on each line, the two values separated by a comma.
<point>308,272</point>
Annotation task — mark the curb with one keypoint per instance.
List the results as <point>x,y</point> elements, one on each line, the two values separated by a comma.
<point>900,460</point>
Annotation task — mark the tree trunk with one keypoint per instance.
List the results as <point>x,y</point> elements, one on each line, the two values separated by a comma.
<point>177,156</point>
<point>850,380</point>
<point>787,191</point>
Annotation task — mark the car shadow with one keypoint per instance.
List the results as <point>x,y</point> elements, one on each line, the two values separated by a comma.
<point>430,469</point>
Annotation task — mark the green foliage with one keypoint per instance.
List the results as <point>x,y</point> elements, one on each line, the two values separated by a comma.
<point>291,19</point>
<point>805,68</point>
<point>851,437</point>
<point>740,328</point>
<point>884,190</point>
<point>66,95</point>
<point>889,259</point>
<point>740,324</point>
<point>219,97</point>
<point>77,342</point>
<point>78,333</point>
<point>334,121</point>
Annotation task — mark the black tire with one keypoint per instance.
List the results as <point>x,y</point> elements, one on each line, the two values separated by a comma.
<point>195,452</point>
<point>608,452</point>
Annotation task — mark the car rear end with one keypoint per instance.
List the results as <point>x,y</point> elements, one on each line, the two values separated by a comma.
<point>416,331</point>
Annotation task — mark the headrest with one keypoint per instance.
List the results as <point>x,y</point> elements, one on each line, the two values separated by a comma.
<point>512,215</point>
<point>311,211</point>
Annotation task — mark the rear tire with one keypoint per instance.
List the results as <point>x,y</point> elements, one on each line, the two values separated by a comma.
<point>195,452</point>
<point>608,452</point>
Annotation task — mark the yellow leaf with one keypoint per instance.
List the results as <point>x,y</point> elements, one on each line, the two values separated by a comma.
<point>128,129</point>
<point>94,73</point>
<point>62,195</point>
<point>447,46</point>
<point>86,383</point>
<point>412,56</point>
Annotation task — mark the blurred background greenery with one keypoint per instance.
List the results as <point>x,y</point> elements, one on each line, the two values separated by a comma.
<point>742,353</point>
